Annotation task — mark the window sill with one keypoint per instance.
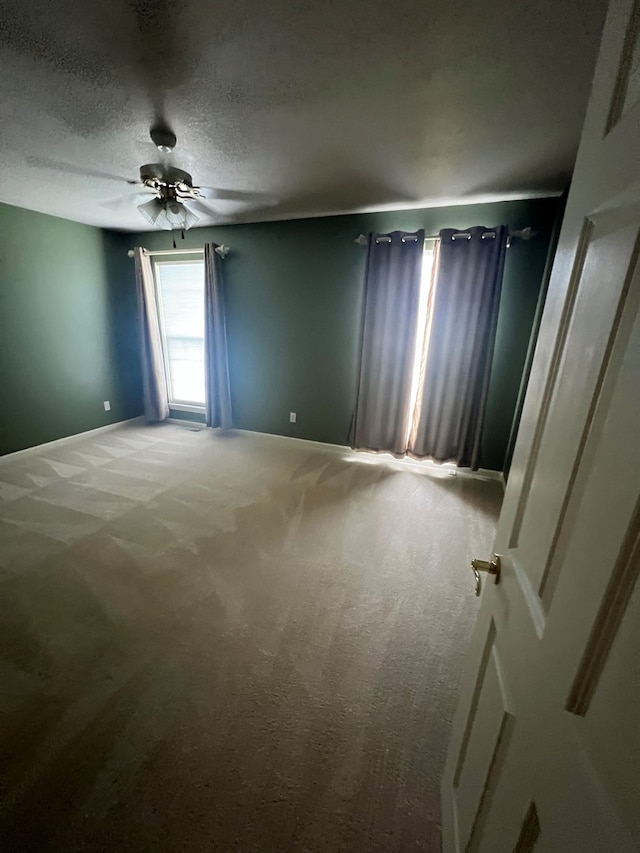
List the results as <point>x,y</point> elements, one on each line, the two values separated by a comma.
<point>186,407</point>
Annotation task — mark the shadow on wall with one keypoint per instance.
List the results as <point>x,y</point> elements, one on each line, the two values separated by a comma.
<point>124,342</point>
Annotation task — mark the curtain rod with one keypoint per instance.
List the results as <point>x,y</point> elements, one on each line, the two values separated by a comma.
<point>523,234</point>
<point>223,251</point>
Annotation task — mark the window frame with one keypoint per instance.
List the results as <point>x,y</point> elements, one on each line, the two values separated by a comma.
<point>178,406</point>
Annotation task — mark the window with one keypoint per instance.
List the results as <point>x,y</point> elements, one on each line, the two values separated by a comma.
<point>180,294</point>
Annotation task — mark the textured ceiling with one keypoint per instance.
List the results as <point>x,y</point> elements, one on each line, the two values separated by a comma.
<point>325,106</point>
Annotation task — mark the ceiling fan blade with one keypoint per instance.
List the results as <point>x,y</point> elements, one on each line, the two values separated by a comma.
<point>126,201</point>
<point>239,196</point>
<point>70,169</point>
<point>201,206</point>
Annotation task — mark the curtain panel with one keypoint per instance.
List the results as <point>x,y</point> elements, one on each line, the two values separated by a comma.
<point>154,380</point>
<point>216,362</point>
<point>459,352</point>
<point>390,321</point>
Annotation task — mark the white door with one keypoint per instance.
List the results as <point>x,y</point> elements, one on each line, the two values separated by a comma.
<point>545,747</point>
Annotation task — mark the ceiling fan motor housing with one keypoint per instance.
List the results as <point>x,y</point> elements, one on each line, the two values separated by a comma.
<point>164,174</point>
<point>168,181</point>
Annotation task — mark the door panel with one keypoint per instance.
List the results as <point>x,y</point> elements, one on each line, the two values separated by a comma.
<point>626,93</point>
<point>611,248</point>
<point>619,758</point>
<point>546,393</point>
<point>545,746</point>
<point>491,726</point>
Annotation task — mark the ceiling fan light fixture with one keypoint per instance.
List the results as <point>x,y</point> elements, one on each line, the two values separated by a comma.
<point>182,219</point>
<point>170,216</point>
<point>151,210</point>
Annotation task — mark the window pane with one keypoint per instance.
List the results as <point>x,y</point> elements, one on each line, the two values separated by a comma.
<point>181,287</point>
<point>186,365</point>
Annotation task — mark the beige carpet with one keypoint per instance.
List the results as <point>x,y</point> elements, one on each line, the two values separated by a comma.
<point>229,644</point>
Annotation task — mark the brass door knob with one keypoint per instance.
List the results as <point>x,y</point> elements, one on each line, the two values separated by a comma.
<point>491,568</point>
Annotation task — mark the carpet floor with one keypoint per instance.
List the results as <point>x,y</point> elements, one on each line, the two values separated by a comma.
<point>241,643</point>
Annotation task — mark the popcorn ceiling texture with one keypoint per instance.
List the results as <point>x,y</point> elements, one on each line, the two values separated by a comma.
<point>248,643</point>
<point>328,106</point>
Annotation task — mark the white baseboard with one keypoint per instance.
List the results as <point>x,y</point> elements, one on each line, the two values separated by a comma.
<point>325,444</point>
<point>490,474</point>
<point>27,451</point>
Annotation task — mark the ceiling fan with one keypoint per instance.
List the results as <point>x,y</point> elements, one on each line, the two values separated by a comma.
<point>174,197</point>
<point>167,197</point>
<point>175,202</point>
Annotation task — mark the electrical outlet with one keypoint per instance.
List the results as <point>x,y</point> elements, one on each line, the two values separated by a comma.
<point>292,417</point>
<point>107,406</point>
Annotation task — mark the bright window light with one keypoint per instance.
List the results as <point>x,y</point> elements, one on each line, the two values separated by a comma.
<point>180,291</point>
<point>422,336</point>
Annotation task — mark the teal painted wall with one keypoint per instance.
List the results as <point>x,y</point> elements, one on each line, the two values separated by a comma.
<point>68,326</point>
<point>294,300</point>
<point>67,329</point>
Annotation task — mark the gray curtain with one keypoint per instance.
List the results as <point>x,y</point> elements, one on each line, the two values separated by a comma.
<point>216,364</point>
<point>154,380</point>
<point>464,315</point>
<point>392,293</point>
